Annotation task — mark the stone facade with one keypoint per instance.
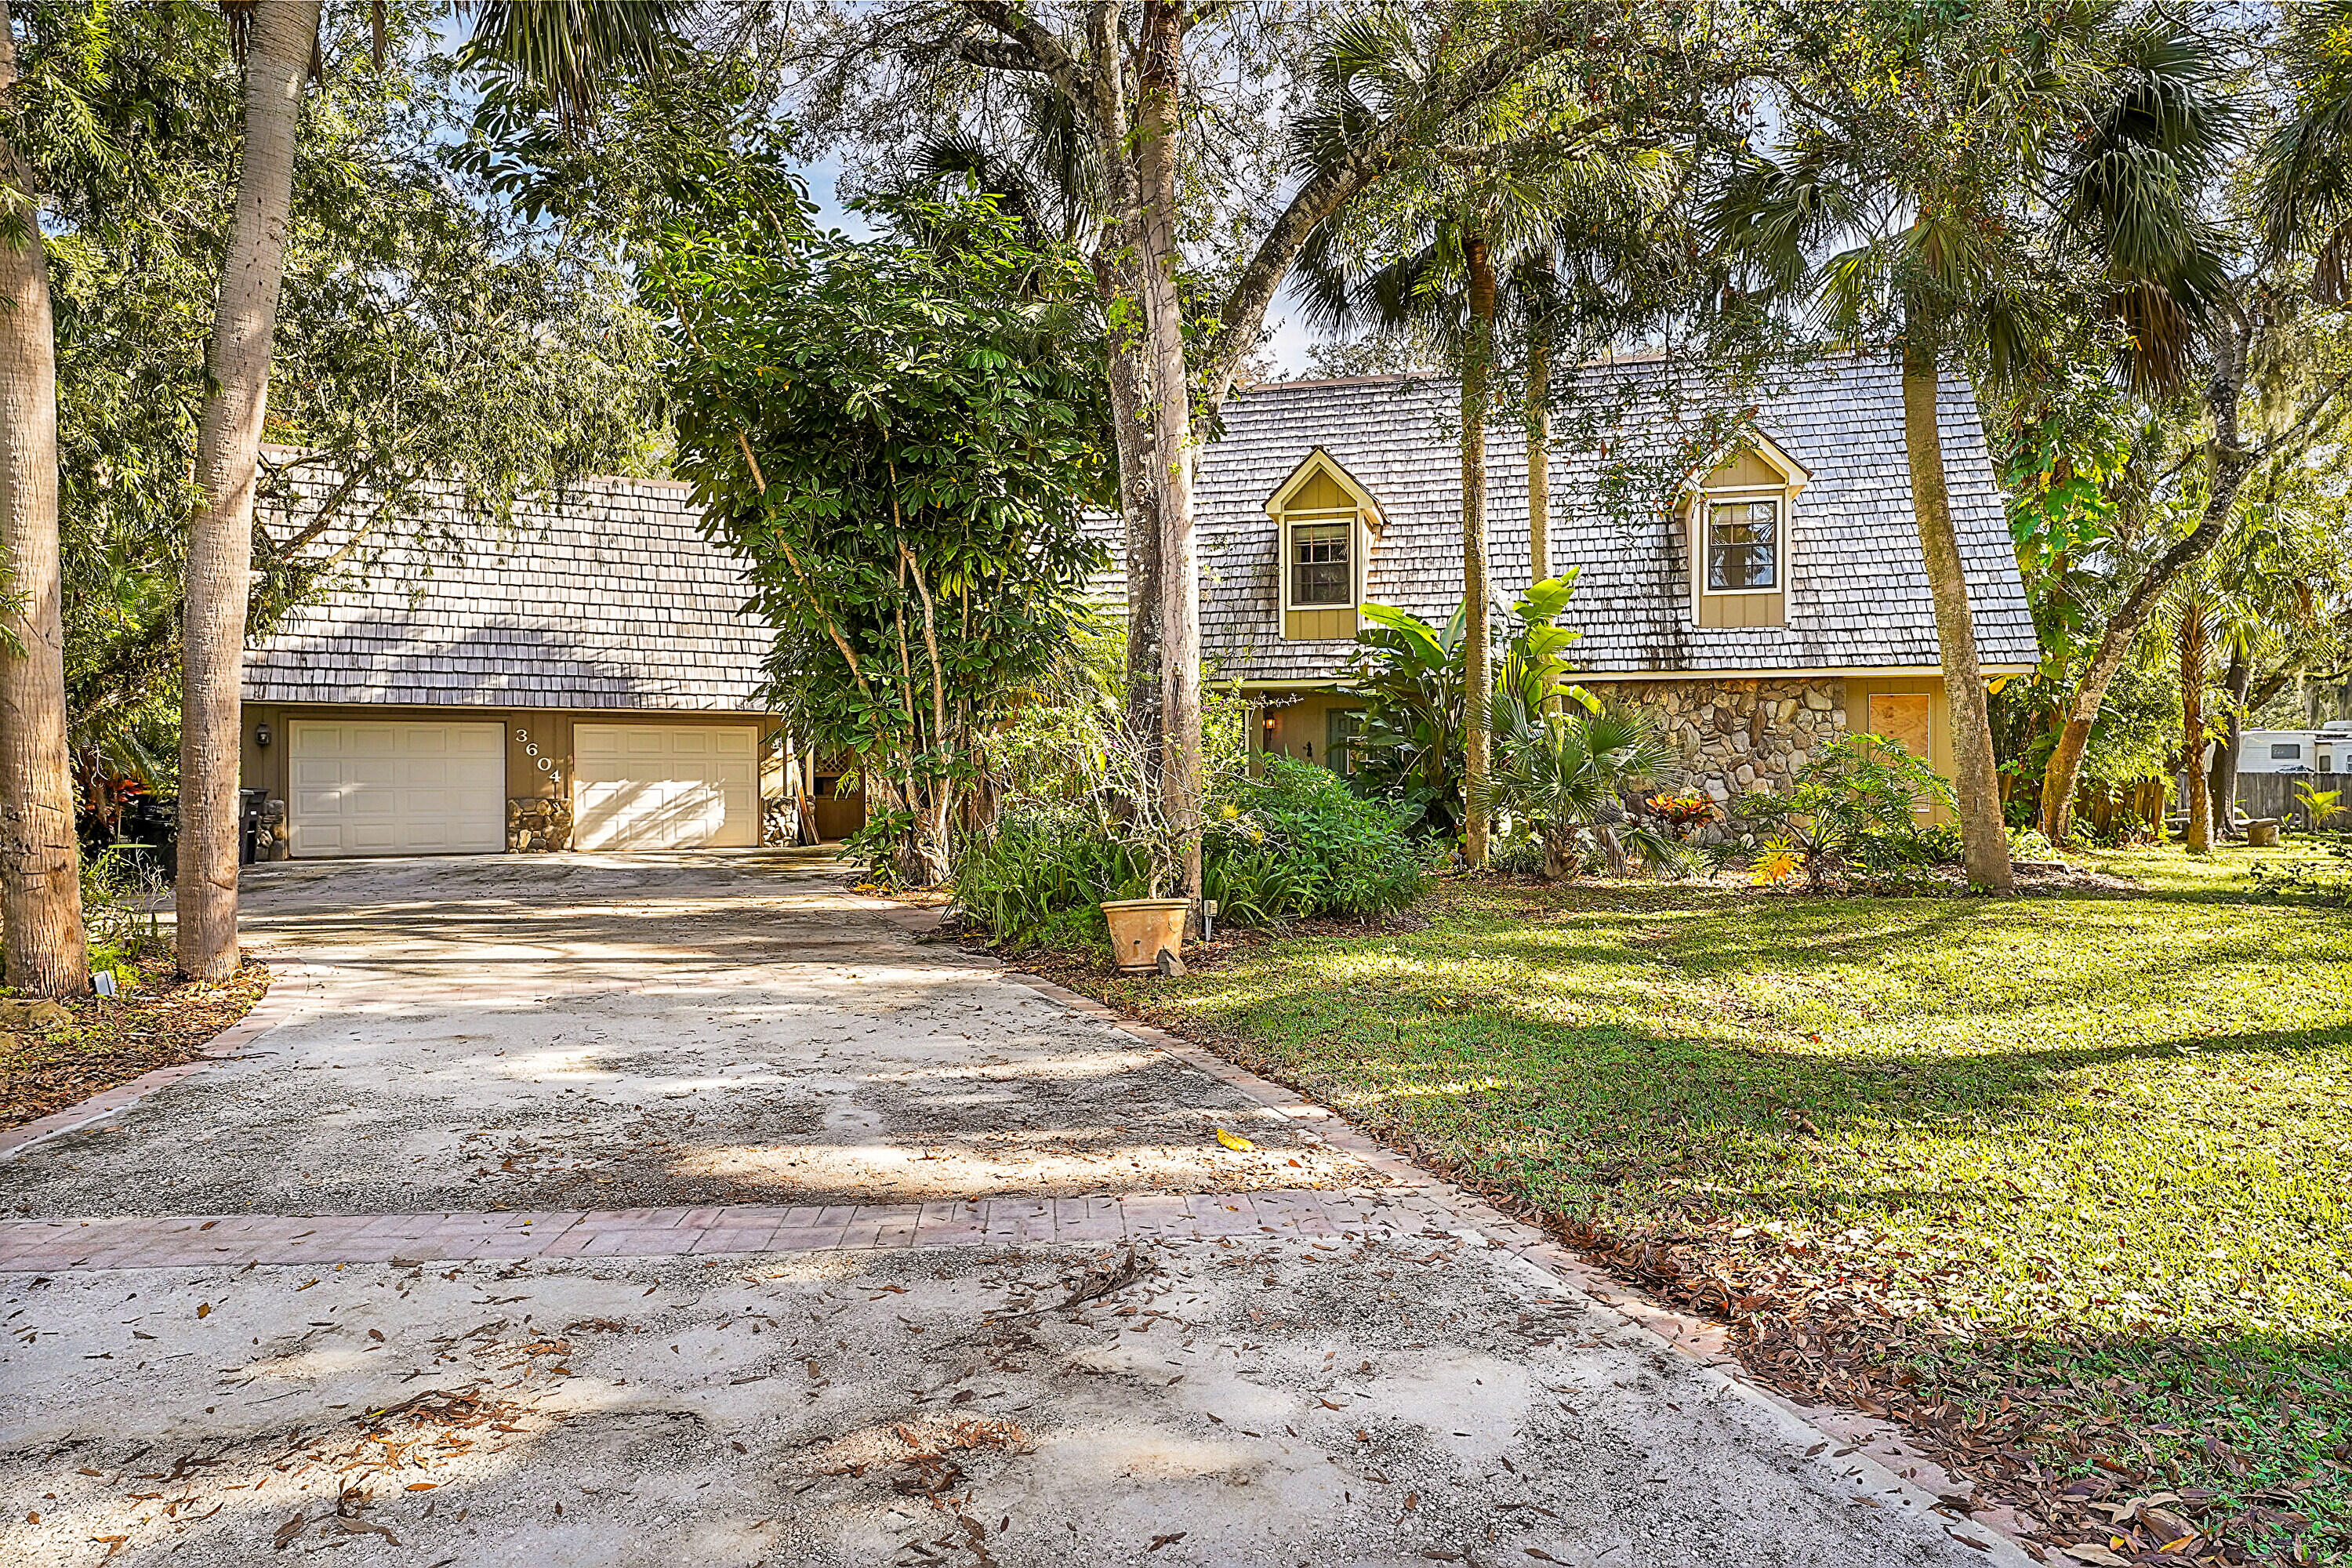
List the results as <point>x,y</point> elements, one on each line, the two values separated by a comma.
<point>1740,736</point>
<point>536,826</point>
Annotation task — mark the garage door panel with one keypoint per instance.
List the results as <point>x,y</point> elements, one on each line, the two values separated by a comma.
<point>387,787</point>
<point>664,786</point>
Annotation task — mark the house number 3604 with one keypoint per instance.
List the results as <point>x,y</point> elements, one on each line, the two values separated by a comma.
<point>530,749</point>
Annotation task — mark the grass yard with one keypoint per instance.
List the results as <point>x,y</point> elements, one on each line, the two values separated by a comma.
<point>2061,1181</point>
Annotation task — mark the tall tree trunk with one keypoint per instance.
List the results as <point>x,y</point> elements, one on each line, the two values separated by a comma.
<point>1975,784</point>
<point>1477,665</point>
<point>220,539</point>
<point>1183,767</point>
<point>40,870</point>
<point>2196,644</point>
<point>2223,773</point>
<point>1539,417</point>
<point>2228,463</point>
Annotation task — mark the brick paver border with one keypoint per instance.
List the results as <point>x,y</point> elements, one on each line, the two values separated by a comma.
<point>287,982</point>
<point>182,1241</point>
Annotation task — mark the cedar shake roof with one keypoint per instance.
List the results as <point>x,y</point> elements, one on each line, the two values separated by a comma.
<point>613,600</point>
<point>1858,593</point>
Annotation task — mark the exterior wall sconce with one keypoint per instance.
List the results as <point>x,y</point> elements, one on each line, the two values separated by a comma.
<point>261,735</point>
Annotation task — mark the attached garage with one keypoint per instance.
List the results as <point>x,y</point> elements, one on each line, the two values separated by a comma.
<point>664,786</point>
<point>362,787</point>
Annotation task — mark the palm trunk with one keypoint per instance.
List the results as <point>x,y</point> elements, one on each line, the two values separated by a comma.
<point>2197,832</point>
<point>220,538</point>
<point>1539,454</point>
<point>1477,670</point>
<point>2228,463</point>
<point>2224,771</point>
<point>1975,784</point>
<point>1183,780</point>
<point>47,952</point>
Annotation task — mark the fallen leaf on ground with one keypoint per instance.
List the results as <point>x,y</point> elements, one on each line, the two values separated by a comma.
<point>1236,1141</point>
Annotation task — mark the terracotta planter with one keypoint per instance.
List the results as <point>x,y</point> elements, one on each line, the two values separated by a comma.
<point>1141,928</point>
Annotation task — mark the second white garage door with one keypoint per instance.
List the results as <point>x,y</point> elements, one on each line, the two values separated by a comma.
<point>664,786</point>
<point>396,788</point>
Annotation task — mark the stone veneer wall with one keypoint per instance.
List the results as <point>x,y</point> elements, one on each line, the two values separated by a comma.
<point>1737,736</point>
<point>535,824</point>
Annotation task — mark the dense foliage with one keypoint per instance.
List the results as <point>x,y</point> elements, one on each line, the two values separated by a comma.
<point>900,437</point>
<point>1291,842</point>
<point>1855,808</point>
<point>423,333</point>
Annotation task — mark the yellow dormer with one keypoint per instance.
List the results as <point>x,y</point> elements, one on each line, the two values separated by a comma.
<point>1741,512</point>
<point>1325,523</point>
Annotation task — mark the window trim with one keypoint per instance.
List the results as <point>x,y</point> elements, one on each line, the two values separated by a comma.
<point>1354,518</point>
<point>1704,522</point>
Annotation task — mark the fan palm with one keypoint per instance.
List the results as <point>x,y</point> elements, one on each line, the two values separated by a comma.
<point>1567,782</point>
<point>1443,258</point>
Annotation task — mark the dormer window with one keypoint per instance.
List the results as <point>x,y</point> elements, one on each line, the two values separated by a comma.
<point>1740,511</point>
<point>1322,562</point>
<point>1325,523</point>
<point>1743,546</point>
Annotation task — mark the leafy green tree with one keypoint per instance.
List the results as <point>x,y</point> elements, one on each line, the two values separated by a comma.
<point>901,437</point>
<point>1172,98</point>
<point>1890,200</point>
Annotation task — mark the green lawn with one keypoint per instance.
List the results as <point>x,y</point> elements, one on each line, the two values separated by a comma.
<point>2084,1154</point>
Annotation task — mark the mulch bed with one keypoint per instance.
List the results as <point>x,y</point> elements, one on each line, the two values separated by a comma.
<point>162,1021</point>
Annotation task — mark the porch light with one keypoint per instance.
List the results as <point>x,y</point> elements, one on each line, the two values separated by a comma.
<point>261,734</point>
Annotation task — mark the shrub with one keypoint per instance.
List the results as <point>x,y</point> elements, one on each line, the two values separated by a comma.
<point>1293,842</point>
<point>1852,807</point>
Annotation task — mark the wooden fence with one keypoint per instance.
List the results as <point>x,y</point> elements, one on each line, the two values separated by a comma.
<point>2273,795</point>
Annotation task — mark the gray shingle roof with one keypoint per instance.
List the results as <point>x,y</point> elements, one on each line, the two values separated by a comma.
<point>1859,593</point>
<point>611,599</point>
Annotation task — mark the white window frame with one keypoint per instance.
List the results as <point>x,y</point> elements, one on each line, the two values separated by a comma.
<point>1354,518</point>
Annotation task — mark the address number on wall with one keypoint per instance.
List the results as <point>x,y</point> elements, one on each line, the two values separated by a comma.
<point>530,749</point>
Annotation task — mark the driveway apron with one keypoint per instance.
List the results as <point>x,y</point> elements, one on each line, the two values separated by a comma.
<point>686,1209</point>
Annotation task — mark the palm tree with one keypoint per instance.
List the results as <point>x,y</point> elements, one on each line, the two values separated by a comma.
<point>1443,258</point>
<point>1909,151</point>
<point>40,870</point>
<point>1567,782</point>
<point>562,50</point>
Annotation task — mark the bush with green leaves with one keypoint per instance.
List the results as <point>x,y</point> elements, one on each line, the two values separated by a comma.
<point>1292,842</point>
<point>1563,783</point>
<point>1853,808</point>
<point>2324,878</point>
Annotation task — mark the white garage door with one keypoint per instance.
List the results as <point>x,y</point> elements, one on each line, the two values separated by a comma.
<point>396,788</point>
<point>664,786</point>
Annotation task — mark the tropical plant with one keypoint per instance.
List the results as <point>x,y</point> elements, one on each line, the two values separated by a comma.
<point>1410,676</point>
<point>1856,803</point>
<point>2320,806</point>
<point>1567,784</point>
<point>900,437</point>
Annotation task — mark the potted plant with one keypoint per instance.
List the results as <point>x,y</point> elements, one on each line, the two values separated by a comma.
<point>1147,934</point>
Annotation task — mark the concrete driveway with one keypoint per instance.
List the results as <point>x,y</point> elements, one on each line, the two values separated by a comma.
<point>686,1210</point>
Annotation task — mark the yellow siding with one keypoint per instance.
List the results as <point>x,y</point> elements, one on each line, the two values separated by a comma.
<point>1318,626</point>
<point>1320,492</point>
<point>1858,695</point>
<point>1746,471</point>
<point>1732,610</point>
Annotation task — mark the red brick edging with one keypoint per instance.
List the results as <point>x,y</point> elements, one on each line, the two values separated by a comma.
<point>275,1007</point>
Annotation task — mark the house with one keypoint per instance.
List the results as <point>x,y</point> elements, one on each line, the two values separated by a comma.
<point>2326,750</point>
<point>589,679</point>
<point>585,677</point>
<point>1805,613</point>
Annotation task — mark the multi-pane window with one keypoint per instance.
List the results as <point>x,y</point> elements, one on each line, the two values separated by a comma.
<point>1320,571</point>
<point>1743,545</point>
